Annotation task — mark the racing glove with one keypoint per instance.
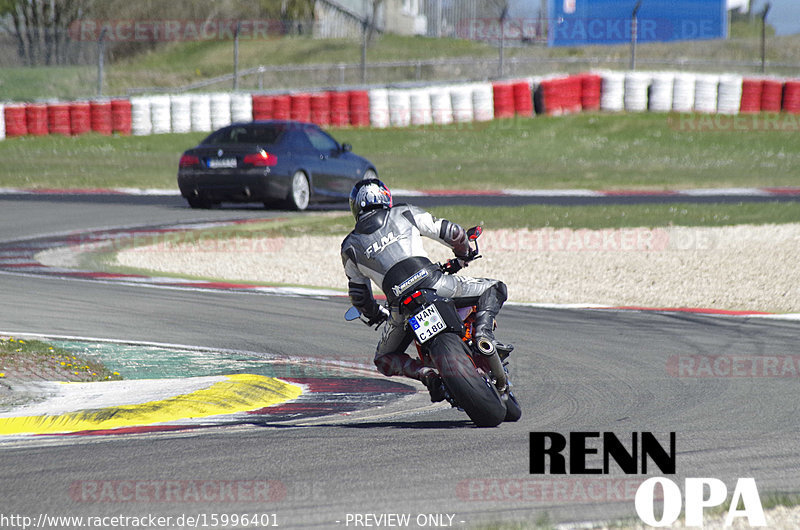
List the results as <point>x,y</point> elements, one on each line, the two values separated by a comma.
<point>361,297</point>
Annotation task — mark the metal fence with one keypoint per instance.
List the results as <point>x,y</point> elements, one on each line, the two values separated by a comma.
<point>321,76</point>
<point>314,76</point>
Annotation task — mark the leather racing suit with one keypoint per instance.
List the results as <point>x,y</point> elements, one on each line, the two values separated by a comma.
<point>385,247</point>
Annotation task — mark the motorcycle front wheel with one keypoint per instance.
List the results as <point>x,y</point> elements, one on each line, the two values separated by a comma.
<point>470,388</point>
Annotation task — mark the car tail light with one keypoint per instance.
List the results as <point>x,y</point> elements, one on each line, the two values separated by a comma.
<point>262,158</point>
<point>188,161</point>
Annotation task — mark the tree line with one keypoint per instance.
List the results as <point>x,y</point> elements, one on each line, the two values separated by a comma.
<point>40,29</point>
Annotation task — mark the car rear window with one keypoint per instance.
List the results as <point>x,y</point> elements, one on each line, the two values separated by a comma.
<point>245,134</point>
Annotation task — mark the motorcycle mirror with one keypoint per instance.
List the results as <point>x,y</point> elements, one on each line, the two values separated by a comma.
<point>474,232</point>
<point>352,314</point>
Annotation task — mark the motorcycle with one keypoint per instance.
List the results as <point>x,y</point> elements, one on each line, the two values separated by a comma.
<point>474,373</point>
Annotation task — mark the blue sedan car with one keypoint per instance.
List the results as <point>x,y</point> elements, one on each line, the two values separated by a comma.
<point>276,162</point>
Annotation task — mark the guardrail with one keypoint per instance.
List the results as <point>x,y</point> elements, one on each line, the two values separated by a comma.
<point>315,76</point>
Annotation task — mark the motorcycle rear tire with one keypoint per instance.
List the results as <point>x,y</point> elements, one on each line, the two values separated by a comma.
<point>513,410</point>
<point>469,387</point>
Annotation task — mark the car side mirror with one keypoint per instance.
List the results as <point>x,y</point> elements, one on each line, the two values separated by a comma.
<point>347,148</point>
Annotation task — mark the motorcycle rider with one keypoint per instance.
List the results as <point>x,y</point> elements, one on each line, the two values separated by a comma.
<point>385,247</point>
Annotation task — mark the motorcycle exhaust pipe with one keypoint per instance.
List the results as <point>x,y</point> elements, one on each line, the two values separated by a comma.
<point>486,347</point>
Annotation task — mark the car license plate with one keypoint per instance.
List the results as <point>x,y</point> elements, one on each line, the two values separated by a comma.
<point>427,323</point>
<point>217,163</point>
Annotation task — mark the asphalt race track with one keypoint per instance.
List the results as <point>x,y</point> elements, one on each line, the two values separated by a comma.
<point>574,370</point>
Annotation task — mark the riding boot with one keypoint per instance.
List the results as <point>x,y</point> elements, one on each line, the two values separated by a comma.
<point>484,336</point>
<point>403,364</point>
<point>434,382</point>
<point>488,306</point>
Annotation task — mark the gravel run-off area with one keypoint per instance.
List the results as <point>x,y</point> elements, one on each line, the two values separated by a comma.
<point>741,267</point>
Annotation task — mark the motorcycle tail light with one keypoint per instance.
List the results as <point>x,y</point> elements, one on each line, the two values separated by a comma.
<point>408,299</point>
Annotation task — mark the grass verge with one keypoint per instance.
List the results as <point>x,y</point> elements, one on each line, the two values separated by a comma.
<point>23,360</point>
<point>594,151</point>
<point>624,216</point>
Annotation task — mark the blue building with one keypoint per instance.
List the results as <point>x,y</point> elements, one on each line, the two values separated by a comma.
<point>586,22</point>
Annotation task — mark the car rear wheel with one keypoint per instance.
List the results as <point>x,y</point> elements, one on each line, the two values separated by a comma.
<point>300,192</point>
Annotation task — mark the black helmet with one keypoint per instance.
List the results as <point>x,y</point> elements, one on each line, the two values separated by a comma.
<point>369,194</point>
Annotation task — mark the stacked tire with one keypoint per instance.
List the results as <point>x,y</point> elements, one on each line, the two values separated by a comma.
<point>482,102</point>
<point>612,98</point>
<point>141,121</point>
<point>241,107</point>
<point>791,97</point>
<point>503,98</point>
<point>729,98</point>
<point>200,112</point>
<point>420,106</point>
<point>160,116</point>
<point>751,95</point>
<point>36,119</point>
<point>683,92</point>
<point>220,110</point>
<point>262,107</point>
<point>100,117</point>
<point>771,95</point>
<point>661,92</point>
<point>358,103</point>
<point>379,108</point>
<point>181,113</point>
<point>80,117</point>
<point>58,118</point>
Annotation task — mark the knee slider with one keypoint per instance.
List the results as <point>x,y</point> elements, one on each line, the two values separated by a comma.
<point>385,364</point>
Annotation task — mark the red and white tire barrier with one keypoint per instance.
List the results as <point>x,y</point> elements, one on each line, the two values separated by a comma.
<point>382,107</point>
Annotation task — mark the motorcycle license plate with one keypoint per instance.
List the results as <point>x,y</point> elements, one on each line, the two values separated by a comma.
<point>427,323</point>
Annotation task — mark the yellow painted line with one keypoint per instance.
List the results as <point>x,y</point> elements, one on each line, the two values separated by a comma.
<point>238,393</point>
